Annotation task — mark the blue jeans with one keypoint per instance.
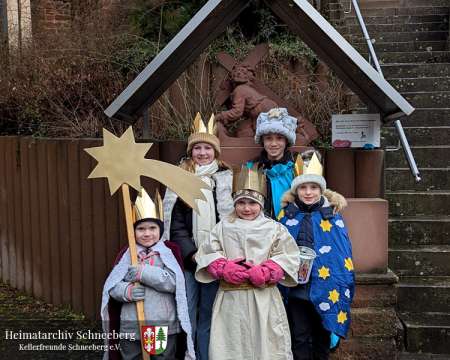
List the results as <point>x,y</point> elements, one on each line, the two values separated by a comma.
<point>207,296</point>
<point>200,299</point>
<point>192,294</point>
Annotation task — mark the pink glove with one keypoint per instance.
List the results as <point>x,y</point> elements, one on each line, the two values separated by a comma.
<point>216,268</point>
<point>275,270</point>
<point>258,275</point>
<point>234,273</point>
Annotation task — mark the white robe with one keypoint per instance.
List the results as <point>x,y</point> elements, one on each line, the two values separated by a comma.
<point>250,324</point>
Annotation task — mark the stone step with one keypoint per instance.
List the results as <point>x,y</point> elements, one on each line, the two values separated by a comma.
<point>414,203</point>
<point>419,230</point>
<point>420,260</point>
<point>399,19</point>
<point>412,57</point>
<point>400,3</point>
<point>365,4</point>
<point>417,293</point>
<point>421,84</point>
<point>414,10</point>
<point>417,136</point>
<point>438,99</point>
<point>375,290</point>
<point>398,37</point>
<point>426,157</point>
<point>407,46</point>
<point>421,356</point>
<point>400,179</point>
<point>427,332</point>
<point>373,322</point>
<point>357,347</point>
<point>428,117</point>
<point>373,29</point>
<point>420,117</point>
<point>396,71</point>
<point>333,6</point>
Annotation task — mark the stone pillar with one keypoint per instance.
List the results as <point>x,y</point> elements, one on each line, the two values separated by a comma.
<point>375,331</point>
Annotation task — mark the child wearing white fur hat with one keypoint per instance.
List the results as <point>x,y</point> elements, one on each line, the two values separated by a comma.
<point>276,132</point>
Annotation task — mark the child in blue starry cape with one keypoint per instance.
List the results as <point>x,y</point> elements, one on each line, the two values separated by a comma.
<point>319,311</point>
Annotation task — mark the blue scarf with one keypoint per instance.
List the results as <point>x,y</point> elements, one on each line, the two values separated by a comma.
<point>281,176</point>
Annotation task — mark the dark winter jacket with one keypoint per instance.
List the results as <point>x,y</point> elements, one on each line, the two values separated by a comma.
<point>181,231</point>
<point>178,216</point>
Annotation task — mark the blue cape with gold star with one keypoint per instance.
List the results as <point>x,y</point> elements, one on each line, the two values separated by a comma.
<point>332,280</point>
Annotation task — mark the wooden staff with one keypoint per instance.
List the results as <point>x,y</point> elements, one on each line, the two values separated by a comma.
<point>134,261</point>
<point>122,161</point>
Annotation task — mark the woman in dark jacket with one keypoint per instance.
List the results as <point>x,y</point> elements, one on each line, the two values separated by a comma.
<point>189,229</point>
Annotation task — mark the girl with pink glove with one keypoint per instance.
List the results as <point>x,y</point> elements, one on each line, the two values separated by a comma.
<point>249,254</point>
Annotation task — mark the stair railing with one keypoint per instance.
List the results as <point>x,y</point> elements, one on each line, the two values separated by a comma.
<point>373,60</point>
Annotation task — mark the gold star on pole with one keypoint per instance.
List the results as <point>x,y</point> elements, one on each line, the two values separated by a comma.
<point>324,272</point>
<point>334,296</point>
<point>349,264</point>
<point>342,317</point>
<point>325,225</point>
<point>122,161</point>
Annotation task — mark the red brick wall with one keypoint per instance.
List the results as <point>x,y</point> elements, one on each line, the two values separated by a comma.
<point>52,15</point>
<point>59,15</point>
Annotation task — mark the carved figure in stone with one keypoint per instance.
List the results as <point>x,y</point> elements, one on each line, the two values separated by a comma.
<point>246,101</point>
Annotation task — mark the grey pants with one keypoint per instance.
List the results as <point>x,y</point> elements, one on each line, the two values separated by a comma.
<point>131,350</point>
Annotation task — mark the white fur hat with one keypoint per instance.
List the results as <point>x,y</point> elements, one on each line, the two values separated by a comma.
<point>311,171</point>
<point>308,178</point>
<point>276,121</point>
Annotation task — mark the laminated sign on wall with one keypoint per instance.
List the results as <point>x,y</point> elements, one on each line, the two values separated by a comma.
<point>356,131</point>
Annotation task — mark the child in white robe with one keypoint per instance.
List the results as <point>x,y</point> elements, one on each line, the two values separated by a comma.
<point>249,253</point>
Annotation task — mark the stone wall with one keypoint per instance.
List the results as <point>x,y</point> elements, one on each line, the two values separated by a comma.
<point>52,15</point>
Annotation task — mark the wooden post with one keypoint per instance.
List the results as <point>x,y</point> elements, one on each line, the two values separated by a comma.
<point>134,261</point>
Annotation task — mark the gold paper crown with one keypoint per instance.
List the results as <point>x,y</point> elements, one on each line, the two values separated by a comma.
<point>146,208</point>
<point>201,133</point>
<point>250,179</point>
<point>199,125</point>
<point>313,166</point>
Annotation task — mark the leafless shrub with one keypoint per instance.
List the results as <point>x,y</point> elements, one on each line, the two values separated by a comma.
<point>172,115</point>
<point>60,82</point>
<point>313,90</point>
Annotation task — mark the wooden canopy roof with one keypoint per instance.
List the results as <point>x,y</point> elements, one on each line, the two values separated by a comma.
<point>302,19</point>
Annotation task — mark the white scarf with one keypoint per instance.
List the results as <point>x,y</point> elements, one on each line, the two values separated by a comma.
<point>205,220</point>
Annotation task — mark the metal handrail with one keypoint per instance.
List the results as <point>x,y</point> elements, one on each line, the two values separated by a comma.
<point>373,56</point>
<point>373,59</point>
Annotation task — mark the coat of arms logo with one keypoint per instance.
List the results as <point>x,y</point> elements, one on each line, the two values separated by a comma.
<point>154,339</point>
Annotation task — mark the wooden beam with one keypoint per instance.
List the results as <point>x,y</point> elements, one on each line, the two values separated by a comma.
<point>182,50</point>
<point>339,55</point>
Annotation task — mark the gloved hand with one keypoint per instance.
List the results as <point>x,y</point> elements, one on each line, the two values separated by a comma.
<point>234,273</point>
<point>135,292</point>
<point>215,269</point>
<point>133,274</point>
<point>258,275</point>
<point>275,271</point>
